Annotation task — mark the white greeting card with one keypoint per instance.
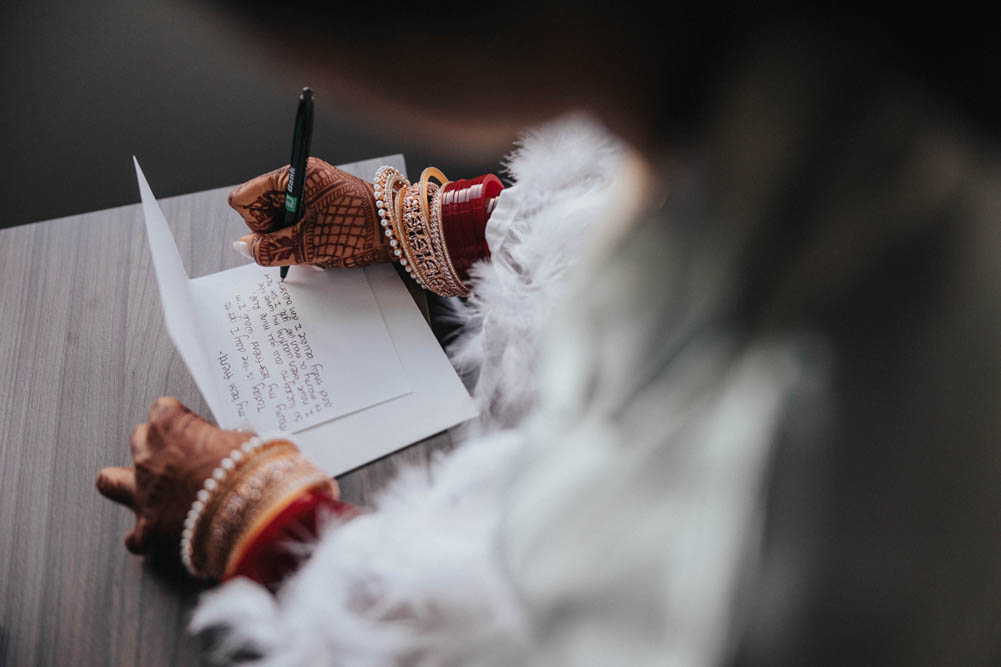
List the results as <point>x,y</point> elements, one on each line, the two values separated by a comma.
<point>342,357</point>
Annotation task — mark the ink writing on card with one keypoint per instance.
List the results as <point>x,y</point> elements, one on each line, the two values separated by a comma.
<point>267,362</point>
<point>291,355</point>
<point>317,356</point>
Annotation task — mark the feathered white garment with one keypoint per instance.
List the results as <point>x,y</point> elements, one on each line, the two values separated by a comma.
<point>602,511</point>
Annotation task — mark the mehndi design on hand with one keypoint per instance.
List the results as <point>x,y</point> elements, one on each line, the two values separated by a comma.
<point>172,453</point>
<point>339,228</point>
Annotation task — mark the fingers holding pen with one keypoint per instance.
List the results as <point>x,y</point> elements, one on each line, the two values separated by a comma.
<point>340,226</point>
<point>280,248</point>
<point>261,200</point>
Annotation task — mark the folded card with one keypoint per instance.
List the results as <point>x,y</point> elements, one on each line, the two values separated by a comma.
<point>342,357</point>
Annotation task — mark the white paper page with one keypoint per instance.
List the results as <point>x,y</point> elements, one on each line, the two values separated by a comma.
<point>438,400</point>
<point>175,294</point>
<point>294,354</point>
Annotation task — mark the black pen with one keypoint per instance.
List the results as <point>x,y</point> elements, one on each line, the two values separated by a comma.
<point>301,136</point>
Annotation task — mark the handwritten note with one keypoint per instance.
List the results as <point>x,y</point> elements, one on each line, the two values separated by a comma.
<point>288,355</point>
<point>341,358</point>
<point>269,369</point>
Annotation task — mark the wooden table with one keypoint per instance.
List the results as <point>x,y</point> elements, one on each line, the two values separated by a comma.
<point>83,353</point>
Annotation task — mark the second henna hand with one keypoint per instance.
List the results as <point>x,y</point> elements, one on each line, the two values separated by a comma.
<point>301,136</point>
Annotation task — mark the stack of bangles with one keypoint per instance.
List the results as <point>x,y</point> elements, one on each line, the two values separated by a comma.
<point>261,497</point>
<point>436,229</point>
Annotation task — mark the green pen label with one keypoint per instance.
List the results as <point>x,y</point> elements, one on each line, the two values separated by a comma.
<point>290,203</point>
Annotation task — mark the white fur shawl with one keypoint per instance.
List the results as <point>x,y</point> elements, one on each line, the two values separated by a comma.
<point>572,528</point>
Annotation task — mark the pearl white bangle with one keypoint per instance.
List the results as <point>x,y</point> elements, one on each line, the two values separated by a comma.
<point>228,464</point>
<point>384,186</point>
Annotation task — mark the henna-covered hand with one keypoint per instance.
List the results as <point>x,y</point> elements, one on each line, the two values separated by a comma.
<point>340,226</point>
<point>174,452</point>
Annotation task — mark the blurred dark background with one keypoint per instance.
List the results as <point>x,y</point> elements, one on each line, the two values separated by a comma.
<point>88,84</point>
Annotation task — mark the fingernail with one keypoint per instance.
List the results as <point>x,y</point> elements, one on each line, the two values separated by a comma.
<point>317,268</point>
<point>243,248</point>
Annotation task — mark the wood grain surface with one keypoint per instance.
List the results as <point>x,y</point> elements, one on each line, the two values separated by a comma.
<point>83,353</point>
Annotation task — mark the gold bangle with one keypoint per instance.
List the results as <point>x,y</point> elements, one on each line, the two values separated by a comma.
<point>396,185</point>
<point>384,187</point>
<point>427,174</point>
<point>448,282</point>
<point>411,216</point>
<point>206,501</point>
<point>405,243</point>
<point>299,475</point>
<point>456,286</point>
<point>419,242</point>
<point>268,480</point>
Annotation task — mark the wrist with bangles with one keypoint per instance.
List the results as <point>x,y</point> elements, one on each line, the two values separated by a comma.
<point>245,504</point>
<point>436,230</point>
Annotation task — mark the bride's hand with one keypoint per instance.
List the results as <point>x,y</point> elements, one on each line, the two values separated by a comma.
<point>340,226</point>
<point>173,453</point>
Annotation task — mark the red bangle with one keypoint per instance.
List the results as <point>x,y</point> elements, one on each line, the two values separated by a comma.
<point>268,560</point>
<point>464,219</point>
